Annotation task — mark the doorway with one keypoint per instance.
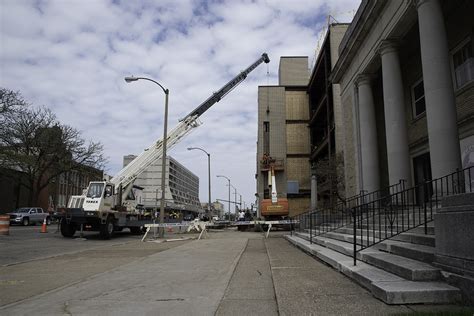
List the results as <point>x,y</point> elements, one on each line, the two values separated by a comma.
<point>422,172</point>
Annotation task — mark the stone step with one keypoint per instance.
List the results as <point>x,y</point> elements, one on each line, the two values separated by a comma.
<point>386,286</point>
<point>421,229</point>
<point>370,232</point>
<point>343,247</point>
<point>411,236</point>
<point>414,238</point>
<point>408,250</point>
<point>395,227</point>
<point>350,238</point>
<point>407,268</point>
<point>365,224</point>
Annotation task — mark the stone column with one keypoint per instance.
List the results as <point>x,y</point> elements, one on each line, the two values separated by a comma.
<point>439,93</point>
<point>368,135</point>
<point>395,117</point>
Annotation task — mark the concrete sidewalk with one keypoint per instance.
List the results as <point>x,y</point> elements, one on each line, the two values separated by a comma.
<point>231,273</point>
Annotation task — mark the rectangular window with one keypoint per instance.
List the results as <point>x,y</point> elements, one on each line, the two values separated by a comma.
<point>418,96</point>
<point>463,63</point>
<point>293,187</point>
<point>266,138</point>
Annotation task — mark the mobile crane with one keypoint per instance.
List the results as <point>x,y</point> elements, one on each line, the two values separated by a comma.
<point>274,208</point>
<point>108,206</point>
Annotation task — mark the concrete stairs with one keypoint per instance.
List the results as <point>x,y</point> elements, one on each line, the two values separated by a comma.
<point>397,270</point>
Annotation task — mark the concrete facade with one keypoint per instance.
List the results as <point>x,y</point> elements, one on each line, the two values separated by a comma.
<point>416,58</point>
<point>293,71</point>
<point>284,135</point>
<point>182,186</point>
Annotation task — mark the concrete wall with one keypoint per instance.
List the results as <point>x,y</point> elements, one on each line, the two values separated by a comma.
<point>298,205</point>
<point>273,99</point>
<point>297,105</point>
<point>293,71</point>
<point>299,169</point>
<point>351,151</point>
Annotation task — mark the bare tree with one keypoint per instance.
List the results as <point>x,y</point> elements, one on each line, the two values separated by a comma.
<point>10,101</point>
<point>34,142</point>
<point>330,178</point>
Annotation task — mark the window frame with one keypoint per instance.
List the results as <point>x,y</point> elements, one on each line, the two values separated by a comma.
<point>413,100</point>
<point>455,50</point>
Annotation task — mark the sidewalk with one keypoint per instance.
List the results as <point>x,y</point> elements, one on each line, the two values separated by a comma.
<point>231,273</point>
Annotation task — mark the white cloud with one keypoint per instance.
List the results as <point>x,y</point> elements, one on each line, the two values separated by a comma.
<point>72,56</point>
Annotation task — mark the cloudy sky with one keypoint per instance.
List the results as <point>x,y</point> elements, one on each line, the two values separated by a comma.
<point>72,56</point>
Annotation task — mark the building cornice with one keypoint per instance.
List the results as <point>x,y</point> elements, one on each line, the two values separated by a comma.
<point>361,25</point>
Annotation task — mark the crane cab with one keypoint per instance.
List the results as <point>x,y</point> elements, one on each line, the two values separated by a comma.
<point>99,196</point>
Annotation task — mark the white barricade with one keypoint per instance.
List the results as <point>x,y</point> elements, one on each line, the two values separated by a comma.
<point>198,226</point>
<point>269,223</point>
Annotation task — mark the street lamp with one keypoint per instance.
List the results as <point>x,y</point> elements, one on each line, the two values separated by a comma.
<point>209,175</point>
<point>235,198</point>
<point>219,176</point>
<point>161,231</point>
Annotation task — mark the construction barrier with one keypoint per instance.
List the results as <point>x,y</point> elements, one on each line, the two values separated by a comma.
<point>4,224</point>
<point>44,227</point>
<point>168,226</point>
<point>268,223</point>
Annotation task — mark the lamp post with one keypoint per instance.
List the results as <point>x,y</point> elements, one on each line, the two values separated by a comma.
<point>161,231</point>
<point>228,180</point>
<point>235,198</point>
<point>209,176</point>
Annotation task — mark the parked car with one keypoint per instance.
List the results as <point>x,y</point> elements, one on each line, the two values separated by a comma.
<point>188,218</point>
<point>29,215</point>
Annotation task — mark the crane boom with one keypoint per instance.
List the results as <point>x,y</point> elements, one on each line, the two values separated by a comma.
<point>217,96</point>
<point>129,173</point>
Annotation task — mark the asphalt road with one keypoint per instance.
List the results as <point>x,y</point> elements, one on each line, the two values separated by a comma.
<point>32,263</point>
<point>27,243</point>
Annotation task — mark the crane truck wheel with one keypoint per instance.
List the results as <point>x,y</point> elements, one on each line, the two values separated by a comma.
<point>107,229</point>
<point>67,229</point>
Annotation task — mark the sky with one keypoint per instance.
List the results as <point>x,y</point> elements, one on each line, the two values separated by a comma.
<point>72,55</point>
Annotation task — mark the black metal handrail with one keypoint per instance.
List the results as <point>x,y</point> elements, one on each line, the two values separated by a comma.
<point>326,220</point>
<point>384,218</point>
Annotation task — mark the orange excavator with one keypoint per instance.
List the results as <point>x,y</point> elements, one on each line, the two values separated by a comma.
<point>274,208</point>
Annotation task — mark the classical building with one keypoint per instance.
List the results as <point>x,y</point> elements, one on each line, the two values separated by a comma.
<point>406,75</point>
<point>283,134</point>
<point>402,112</point>
<point>181,186</point>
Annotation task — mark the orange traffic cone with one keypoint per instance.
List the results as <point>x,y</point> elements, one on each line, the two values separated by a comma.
<point>44,227</point>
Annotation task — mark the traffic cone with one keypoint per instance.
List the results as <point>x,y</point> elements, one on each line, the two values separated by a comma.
<point>44,227</point>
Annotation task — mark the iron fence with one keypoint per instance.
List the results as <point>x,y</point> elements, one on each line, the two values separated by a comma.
<point>386,217</point>
<point>326,220</point>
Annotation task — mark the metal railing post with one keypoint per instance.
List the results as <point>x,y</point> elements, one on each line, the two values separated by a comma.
<point>354,230</point>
